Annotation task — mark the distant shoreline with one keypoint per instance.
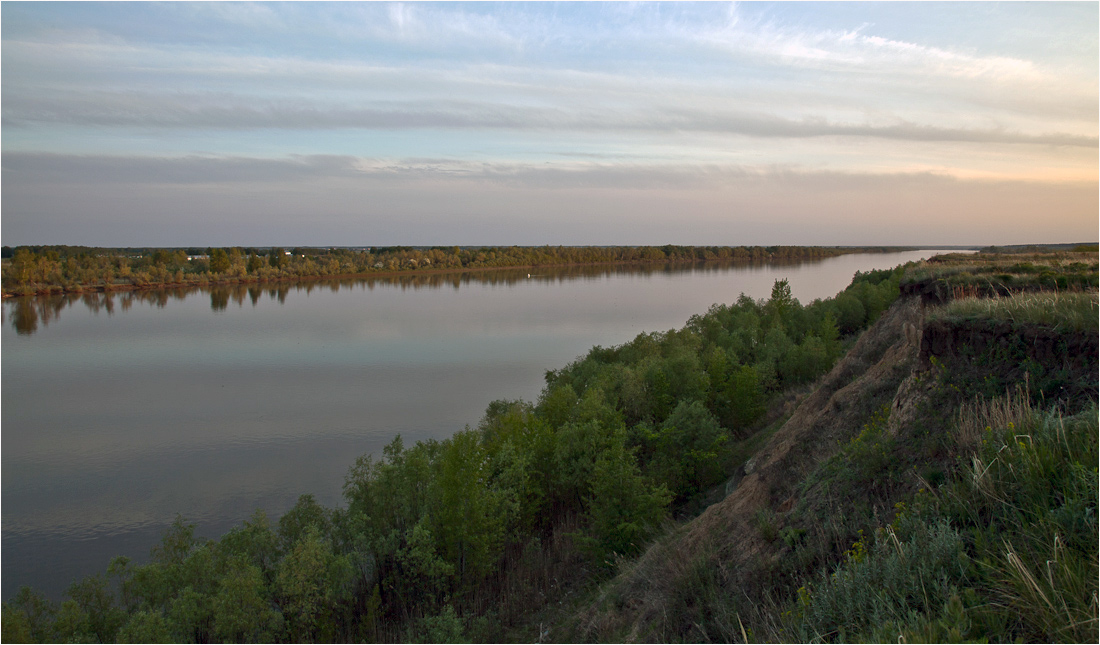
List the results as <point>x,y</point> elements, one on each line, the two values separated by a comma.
<point>57,289</point>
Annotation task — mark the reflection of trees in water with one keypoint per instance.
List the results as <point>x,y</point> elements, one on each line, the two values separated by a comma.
<point>28,312</point>
<point>219,298</point>
<point>24,316</point>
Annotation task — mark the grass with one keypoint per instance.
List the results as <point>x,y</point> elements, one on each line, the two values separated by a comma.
<point>1006,551</point>
<point>983,274</point>
<point>1063,311</point>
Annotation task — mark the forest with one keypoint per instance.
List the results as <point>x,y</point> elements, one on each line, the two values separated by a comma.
<point>581,516</point>
<point>71,269</point>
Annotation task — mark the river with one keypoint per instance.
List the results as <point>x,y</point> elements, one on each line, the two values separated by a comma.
<point>121,410</point>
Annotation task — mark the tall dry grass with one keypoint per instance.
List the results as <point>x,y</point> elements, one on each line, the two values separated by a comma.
<point>1067,311</point>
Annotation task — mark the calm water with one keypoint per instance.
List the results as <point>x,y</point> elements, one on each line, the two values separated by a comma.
<point>120,412</point>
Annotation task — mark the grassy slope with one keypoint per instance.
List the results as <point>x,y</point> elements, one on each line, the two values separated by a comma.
<point>911,495</point>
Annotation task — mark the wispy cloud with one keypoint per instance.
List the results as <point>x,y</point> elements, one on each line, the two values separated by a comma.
<point>853,50</point>
<point>236,112</point>
<point>45,169</point>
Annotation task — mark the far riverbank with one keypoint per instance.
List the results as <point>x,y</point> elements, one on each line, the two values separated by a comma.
<point>69,270</point>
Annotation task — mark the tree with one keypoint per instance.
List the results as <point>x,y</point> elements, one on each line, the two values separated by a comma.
<point>242,609</point>
<point>469,517</point>
<point>146,626</point>
<point>689,450</point>
<point>311,580</point>
<point>306,515</point>
<point>850,312</point>
<point>219,261</point>
<point>624,508</point>
<point>781,302</point>
<point>253,543</point>
<point>162,257</point>
<point>746,397</point>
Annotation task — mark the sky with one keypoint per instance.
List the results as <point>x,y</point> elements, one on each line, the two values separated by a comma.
<point>803,123</point>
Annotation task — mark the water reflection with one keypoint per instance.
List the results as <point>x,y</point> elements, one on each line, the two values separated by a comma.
<point>28,312</point>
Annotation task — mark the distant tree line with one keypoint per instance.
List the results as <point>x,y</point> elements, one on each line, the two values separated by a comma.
<point>455,539</point>
<point>43,269</point>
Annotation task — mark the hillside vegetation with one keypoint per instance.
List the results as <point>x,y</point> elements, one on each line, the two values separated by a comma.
<point>867,467</point>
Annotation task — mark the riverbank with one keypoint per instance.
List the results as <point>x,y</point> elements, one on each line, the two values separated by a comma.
<point>265,276</point>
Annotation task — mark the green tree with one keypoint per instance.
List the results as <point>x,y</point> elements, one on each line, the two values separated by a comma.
<point>162,257</point>
<point>469,518</point>
<point>39,617</point>
<point>254,542</point>
<point>424,575</point>
<point>15,627</point>
<point>100,616</point>
<point>311,580</point>
<point>219,261</point>
<point>850,312</point>
<point>242,607</point>
<point>578,447</point>
<point>690,448</point>
<point>779,306</point>
<point>746,397</point>
<point>624,508</point>
<point>304,516</point>
<point>146,626</point>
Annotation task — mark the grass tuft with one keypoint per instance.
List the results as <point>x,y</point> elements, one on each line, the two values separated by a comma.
<point>1065,311</point>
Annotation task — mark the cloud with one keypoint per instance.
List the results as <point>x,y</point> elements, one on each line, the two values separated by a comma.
<point>55,169</point>
<point>235,112</point>
<point>47,169</point>
<point>856,50</point>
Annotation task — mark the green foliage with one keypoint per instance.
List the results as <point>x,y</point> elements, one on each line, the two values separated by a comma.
<point>1006,551</point>
<point>444,627</point>
<point>850,312</point>
<point>310,582</point>
<point>146,627</point>
<point>470,515</point>
<point>242,607</point>
<point>33,616</point>
<point>254,543</point>
<point>219,261</point>
<point>15,625</point>
<point>424,576</point>
<point>307,515</point>
<point>624,508</point>
<point>688,449</point>
<point>884,585</point>
<point>578,447</point>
